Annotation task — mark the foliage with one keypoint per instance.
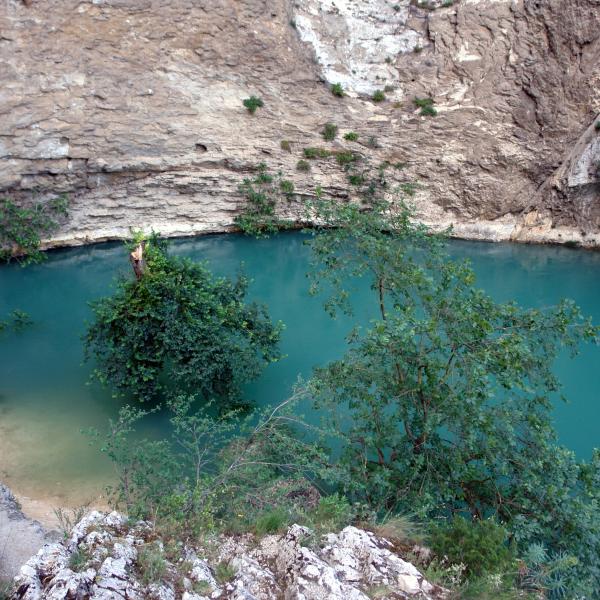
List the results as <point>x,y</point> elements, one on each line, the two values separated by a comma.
<point>262,193</point>
<point>286,145</point>
<point>224,572</point>
<point>17,320</point>
<point>286,186</point>
<point>378,96</point>
<point>481,546</point>
<point>252,104</point>
<point>351,136</point>
<point>329,131</point>
<point>373,142</point>
<point>337,90</point>
<point>78,560</point>
<point>426,106</point>
<point>356,179</point>
<point>271,521</point>
<point>151,564</point>
<point>345,158</point>
<point>214,472</point>
<point>179,323</point>
<point>5,589</point>
<point>444,402</point>
<point>316,153</point>
<point>68,518</point>
<point>303,165</point>
<point>332,513</point>
<point>22,227</point>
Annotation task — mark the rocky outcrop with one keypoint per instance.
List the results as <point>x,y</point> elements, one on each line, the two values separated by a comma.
<point>20,537</point>
<point>134,108</point>
<point>107,558</point>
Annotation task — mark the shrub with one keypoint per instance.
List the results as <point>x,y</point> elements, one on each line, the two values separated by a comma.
<point>356,179</point>
<point>373,142</point>
<point>351,136</point>
<point>17,321</point>
<point>22,227</point>
<point>287,187</point>
<point>252,104</point>
<point>408,188</point>
<point>286,145</point>
<point>482,546</point>
<point>271,522</point>
<point>313,153</point>
<point>329,131</point>
<point>303,165</point>
<point>345,158</point>
<point>258,217</point>
<point>333,513</point>
<point>378,96</point>
<point>337,90</point>
<point>224,572</point>
<point>179,323</point>
<point>78,560</point>
<point>151,564</point>
<point>426,106</point>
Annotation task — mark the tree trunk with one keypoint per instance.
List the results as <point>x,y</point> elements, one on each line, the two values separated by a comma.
<point>138,261</point>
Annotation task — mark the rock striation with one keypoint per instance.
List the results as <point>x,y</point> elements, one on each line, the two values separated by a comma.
<point>104,559</point>
<point>134,108</point>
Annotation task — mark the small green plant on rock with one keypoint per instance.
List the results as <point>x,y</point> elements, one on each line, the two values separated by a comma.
<point>313,153</point>
<point>151,564</point>
<point>378,96</point>
<point>252,104</point>
<point>337,90</point>
<point>286,145</point>
<point>224,572</point>
<point>303,166</point>
<point>426,106</point>
<point>272,521</point>
<point>79,560</point>
<point>287,187</point>
<point>329,132</point>
<point>345,158</point>
<point>351,136</point>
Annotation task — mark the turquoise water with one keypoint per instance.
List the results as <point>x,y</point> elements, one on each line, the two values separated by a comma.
<point>45,399</point>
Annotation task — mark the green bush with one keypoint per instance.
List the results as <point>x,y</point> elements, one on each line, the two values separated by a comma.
<point>303,165</point>
<point>482,546</point>
<point>287,187</point>
<point>337,90</point>
<point>151,564</point>
<point>176,322</point>
<point>426,106</point>
<point>286,145</point>
<point>332,513</point>
<point>22,227</point>
<point>329,131</point>
<point>351,136</point>
<point>272,521</point>
<point>252,104</point>
<point>313,153</point>
<point>224,572</point>
<point>356,179</point>
<point>378,96</point>
<point>78,560</point>
<point>345,158</point>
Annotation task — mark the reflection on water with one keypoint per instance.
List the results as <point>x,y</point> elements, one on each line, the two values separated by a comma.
<point>45,401</point>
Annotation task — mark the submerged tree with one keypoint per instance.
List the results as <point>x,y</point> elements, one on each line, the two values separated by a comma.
<point>445,401</point>
<point>178,326</point>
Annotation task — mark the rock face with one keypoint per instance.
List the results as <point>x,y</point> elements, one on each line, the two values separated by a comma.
<point>19,537</point>
<point>104,559</point>
<point>134,108</point>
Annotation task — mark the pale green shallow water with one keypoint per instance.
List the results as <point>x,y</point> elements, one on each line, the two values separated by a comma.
<point>44,399</point>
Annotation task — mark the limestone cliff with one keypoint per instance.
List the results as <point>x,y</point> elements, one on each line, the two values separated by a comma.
<point>134,108</point>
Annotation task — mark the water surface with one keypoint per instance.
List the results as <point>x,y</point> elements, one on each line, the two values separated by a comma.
<point>45,400</point>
